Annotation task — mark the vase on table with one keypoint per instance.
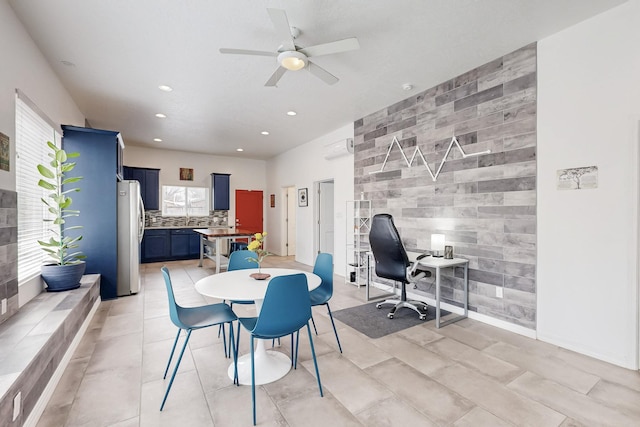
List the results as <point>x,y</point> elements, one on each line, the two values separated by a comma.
<point>260,275</point>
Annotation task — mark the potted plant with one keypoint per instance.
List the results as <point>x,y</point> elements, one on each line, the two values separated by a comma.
<point>257,246</point>
<point>66,268</point>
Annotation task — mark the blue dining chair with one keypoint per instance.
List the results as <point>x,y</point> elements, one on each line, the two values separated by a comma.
<point>322,294</point>
<point>286,309</point>
<point>192,318</point>
<point>239,260</point>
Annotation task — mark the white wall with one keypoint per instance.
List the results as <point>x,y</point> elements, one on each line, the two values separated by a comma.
<point>245,174</point>
<point>301,167</point>
<point>23,67</point>
<point>588,112</point>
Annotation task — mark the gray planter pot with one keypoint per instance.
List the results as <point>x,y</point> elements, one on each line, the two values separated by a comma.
<point>62,277</point>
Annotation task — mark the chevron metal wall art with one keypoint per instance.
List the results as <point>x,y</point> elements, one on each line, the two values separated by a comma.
<point>418,152</point>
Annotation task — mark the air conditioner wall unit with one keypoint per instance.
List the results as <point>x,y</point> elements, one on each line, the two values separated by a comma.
<point>338,149</point>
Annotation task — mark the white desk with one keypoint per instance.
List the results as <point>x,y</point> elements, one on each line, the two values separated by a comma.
<point>218,235</point>
<point>438,263</point>
<point>237,285</point>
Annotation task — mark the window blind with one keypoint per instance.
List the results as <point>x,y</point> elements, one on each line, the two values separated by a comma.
<point>33,130</point>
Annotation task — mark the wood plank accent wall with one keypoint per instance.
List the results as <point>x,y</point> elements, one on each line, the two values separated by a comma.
<point>485,205</point>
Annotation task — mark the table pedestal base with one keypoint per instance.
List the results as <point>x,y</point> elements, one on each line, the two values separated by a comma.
<point>269,367</point>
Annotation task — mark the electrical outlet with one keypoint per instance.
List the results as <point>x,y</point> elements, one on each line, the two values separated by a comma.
<point>4,306</point>
<point>17,401</point>
<point>499,293</point>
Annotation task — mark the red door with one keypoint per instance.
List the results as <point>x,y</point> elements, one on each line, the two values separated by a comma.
<point>249,210</point>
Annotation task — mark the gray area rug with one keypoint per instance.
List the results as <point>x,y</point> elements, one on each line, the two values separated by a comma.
<point>374,323</point>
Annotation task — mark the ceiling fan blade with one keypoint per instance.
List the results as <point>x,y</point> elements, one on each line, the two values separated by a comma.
<point>332,47</point>
<point>281,24</point>
<point>322,74</point>
<point>276,76</point>
<point>247,52</point>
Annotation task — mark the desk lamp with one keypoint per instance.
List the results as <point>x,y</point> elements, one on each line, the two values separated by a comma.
<point>437,244</point>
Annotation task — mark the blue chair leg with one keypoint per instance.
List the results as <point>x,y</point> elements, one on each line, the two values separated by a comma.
<point>224,342</point>
<point>235,353</point>
<point>315,362</point>
<point>335,331</point>
<point>175,370</point>
<point>253,382</point>
<point>236,380</point>
<point>292,353</point>
<point>171,355</point>
<point>295,365</point>
<point>314,324</point>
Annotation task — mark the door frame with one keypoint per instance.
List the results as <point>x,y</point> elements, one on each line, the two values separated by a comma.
<point>289,205</point>
<point>317,212</point>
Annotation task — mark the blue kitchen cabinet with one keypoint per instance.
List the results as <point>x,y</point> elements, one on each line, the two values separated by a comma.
<point>100,166</point>
<point>149,180</point>
<point>194,245</point>
<point>156,245</point>
<point>170,244</point>
<point>220,191</point>
<point>180,243</point>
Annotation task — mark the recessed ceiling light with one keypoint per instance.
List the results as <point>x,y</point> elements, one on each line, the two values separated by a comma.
<point>407,86</point>
<point>165,88</point>
<point>239,149</point>
<point>161,116</point>
<point>291,113</point>
<point>264,132</point>
<point>157,139</point>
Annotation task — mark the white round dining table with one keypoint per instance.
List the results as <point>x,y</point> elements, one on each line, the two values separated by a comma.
<point>270,365</point>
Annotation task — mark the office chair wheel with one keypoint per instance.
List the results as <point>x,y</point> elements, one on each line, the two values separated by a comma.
<point>423,316</point>
<point>390,315</point>
<point>379,305</point>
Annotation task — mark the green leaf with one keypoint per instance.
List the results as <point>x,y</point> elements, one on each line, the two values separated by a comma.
<point>71,180</point>
<point>61,156</point>
<point>46,185</point>
<point>45,171</point>
<point>68,167</point>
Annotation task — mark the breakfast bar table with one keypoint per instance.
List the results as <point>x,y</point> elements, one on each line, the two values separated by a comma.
<point>213,237</point>
<point>270,365</point>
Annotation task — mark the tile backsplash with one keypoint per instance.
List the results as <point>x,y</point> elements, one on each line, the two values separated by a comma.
<point>215,219</point>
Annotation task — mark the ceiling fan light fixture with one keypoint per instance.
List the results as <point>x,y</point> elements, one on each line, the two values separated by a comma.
<point>292,60</point>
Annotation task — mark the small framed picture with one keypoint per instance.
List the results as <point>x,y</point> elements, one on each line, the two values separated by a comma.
<point>303,197</point>
<point>186,174</point>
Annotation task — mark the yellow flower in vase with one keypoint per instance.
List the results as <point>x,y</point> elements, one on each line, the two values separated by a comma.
<point>257,246</point>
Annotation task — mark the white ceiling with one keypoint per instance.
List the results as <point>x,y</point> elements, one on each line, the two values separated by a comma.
<point>123,49</point>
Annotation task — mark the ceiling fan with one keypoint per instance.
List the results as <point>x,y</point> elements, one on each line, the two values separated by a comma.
<point>293,58</point>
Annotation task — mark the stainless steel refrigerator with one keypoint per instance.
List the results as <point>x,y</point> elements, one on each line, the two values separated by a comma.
<point>130,232</point>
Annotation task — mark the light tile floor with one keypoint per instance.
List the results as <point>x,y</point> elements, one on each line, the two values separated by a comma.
<point>465,374</point>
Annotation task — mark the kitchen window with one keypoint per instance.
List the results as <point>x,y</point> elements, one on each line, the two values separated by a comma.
<point>184,201</point>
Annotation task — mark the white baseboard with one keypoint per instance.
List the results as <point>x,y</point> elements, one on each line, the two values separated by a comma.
<point>628,364</point>
<point>521,330</point>
<point>43,400</point>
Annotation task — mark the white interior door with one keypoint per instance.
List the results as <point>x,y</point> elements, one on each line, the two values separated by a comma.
<point>291,220</point>
<point>325,217</point>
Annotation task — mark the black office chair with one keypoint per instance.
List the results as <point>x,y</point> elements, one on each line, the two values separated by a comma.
<point>393,263</point>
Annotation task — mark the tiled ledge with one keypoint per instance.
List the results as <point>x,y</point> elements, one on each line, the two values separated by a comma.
<point>34,342</point>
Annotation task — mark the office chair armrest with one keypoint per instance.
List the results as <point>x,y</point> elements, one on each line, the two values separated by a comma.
<point>415,272</point>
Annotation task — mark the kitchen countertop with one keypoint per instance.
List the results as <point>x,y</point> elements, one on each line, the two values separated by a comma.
<point>223,232</point>
<point>172,227</point>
